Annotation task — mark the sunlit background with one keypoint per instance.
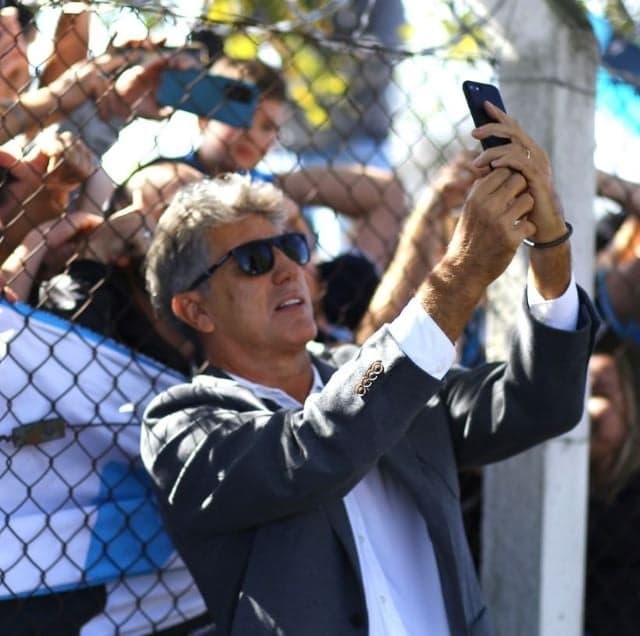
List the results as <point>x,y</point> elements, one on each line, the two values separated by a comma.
<point>436,105</point>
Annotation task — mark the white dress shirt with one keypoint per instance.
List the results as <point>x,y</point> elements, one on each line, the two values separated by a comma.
<point>399,569</point>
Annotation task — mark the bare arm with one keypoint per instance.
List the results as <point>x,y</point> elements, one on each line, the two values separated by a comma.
<point>626,193</point>
<point>623,286</point>
<point>19,270</point>
<point>51,103</point>
<point>373,197</point>
<point>423,242</point>
<point>152,188</point>
<point>13,53</point>
<point>514,200</point>
<point>130,93</point>
<point>618,282</point>
<point>351,190</point>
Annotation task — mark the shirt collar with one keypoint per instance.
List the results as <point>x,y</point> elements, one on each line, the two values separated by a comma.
<point>277,395</point>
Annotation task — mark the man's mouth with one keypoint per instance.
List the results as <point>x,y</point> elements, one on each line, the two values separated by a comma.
<point>291,302</point>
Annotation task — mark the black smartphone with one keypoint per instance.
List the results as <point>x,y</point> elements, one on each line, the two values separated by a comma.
<point>476,94</point>
<point>213,96</point>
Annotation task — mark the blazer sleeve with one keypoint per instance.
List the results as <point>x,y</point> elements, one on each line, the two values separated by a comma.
<point>223,462</point>
<point>502,409</point>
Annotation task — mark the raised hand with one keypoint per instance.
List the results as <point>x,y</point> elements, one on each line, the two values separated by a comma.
<point>13,53</point>
<point>491,226</point>
<point>453,181</point>
<point>18,272</point>
<point>525,156</point>
<point>70,161</point>
<point>39,185</point>
<point>550,268</point>
<point>493,223</point>
<point>135,88</point>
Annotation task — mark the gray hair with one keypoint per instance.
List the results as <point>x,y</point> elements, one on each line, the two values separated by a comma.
<point>179,252</point>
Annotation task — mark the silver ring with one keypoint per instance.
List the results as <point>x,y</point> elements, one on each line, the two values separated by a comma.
<point>528,153</point>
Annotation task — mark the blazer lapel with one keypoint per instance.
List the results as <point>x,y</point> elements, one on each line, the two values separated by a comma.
<point>324,369</point>
<point>335,510</point>
<point>339,520</point>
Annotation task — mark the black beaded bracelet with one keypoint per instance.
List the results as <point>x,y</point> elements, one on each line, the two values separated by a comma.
<point>559,241</point>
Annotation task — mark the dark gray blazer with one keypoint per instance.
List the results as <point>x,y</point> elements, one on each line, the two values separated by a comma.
<point>252,494</point>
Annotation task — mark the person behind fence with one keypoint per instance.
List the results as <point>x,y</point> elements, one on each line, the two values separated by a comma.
<point>612,573</point>
<point>108,575</point>
<point>87,269</point>
<point>617,277</point>
<point>316,495</point>
<point>371,195</point>
<point>613,557</point>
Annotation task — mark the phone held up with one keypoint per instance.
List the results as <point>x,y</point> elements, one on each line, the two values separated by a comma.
<point>228,100</point>
<point>476,94</point>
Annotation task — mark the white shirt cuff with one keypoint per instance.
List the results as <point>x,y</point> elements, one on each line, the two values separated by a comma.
<point>422,340</point>
<point>559,313</point>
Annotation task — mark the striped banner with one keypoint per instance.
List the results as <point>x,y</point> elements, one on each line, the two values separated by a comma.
<point>77,505</point>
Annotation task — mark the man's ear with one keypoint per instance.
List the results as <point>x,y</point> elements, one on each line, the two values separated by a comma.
<point>190,308</point>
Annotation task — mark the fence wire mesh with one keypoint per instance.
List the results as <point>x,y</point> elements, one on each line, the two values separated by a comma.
<point>371,145</point>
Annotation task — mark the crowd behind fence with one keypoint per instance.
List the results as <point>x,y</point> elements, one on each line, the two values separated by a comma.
<point>374,154</point>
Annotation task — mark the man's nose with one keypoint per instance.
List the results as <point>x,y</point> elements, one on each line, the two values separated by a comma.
<point>283,267</point>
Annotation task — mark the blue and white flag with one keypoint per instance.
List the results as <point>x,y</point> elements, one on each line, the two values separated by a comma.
<point>78,505</point>
<point>618,80</point>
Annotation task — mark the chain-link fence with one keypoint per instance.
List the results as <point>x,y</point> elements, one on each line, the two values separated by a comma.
<point>108,110</point>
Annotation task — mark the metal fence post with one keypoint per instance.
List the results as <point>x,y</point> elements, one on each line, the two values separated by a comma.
<point>534,518</point>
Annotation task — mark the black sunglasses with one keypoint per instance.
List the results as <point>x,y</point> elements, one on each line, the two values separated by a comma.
<point>256,257</point>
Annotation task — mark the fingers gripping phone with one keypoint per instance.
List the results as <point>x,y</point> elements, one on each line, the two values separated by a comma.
<point>212,96</point>
<point>476,94</point>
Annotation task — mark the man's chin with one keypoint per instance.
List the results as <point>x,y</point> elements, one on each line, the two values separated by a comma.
<point>304,335</point>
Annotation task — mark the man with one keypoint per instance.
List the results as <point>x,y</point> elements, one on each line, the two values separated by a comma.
<point>611,606</point>
<point>317,496</point>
